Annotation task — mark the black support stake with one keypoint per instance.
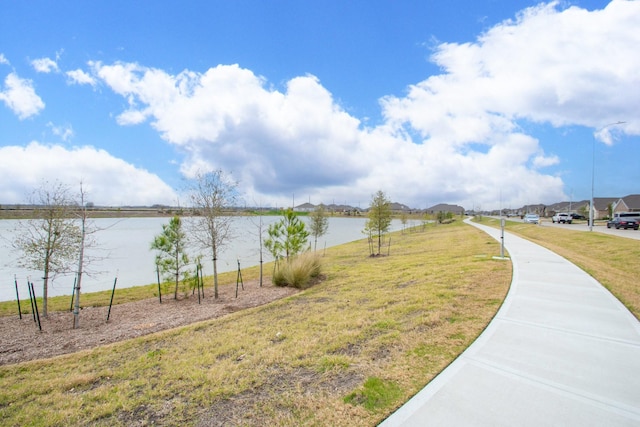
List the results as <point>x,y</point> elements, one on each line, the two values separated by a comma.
<point>159,290</point>
<point>239,279</point>
<point>73,293</point>
<point>198,281</point>
<point>111,302</point>
<point>31,298</point>
<point>201,281</point>
<point>18,297</point>
<point>35,303</point>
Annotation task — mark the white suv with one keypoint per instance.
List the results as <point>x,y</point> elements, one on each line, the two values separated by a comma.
<point>561,218</point>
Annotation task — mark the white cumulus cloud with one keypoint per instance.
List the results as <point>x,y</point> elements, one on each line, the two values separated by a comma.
<point>227,118</point>
<point>107,179</point>
<point>80,77</point>
<point>45,65</point>
<point>561,67</point>
<point>20,96</point>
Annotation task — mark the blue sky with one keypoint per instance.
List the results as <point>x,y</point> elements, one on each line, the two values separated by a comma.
<point>477,103</point>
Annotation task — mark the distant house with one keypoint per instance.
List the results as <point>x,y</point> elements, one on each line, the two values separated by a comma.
<point>342,209</point>
<point>443,207</point>
<point>578,207</point>
<point>601,206</point>
<point>630,203</point>
<point>305,207</point>
<point>568,207</point>
<point>399,207</point>
<point>536,209</point>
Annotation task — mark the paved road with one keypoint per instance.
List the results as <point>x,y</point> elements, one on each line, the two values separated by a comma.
<point>631,234</point>
<point>561,351</point>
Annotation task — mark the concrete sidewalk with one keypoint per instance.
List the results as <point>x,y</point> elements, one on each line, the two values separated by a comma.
<point>562,351</point>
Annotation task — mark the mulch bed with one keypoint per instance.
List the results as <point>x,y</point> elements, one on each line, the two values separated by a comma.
<point>22,341</point>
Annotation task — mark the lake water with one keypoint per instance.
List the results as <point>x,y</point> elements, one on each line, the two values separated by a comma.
<point>122,251</point>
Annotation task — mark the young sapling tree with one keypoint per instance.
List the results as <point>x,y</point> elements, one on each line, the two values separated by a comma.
<point>172,258</point>
<point>210,194</point>
<point>319,224</point>
<point>50,241</point>
<point>379,221</point>
<point>287,237</point>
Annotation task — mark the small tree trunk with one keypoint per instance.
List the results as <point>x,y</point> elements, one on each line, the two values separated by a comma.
<point>45,287</point>
<point>175,292</point>
<point>76,308</point>
<point>215,278</point>
<point>45,281</point>
<point>260,252</point>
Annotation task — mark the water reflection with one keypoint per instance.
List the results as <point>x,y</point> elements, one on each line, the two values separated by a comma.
<point>123,250</point>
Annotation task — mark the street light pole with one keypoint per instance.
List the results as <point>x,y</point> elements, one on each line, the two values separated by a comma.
<point>592,209</point>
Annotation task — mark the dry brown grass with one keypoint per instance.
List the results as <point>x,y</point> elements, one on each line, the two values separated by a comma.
<point>394,321</point>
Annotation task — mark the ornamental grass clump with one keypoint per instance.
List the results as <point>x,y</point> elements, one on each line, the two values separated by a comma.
<point>299,271</point>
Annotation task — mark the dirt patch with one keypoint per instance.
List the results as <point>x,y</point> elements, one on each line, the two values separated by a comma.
<point>246,408</point>
<point>22,341</point>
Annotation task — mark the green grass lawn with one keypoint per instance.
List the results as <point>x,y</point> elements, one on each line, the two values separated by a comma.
<point>347,351</point>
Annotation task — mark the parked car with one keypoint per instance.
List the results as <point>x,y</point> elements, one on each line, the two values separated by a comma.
<point>561,218</point>
<point>531,218</point>
<point>627,215</point>
<point>620,222</point>
<point>577,216</point>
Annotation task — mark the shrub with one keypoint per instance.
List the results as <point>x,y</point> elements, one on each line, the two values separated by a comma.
<point>298,271</point>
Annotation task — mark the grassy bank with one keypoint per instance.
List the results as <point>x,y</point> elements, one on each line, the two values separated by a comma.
<point>346,352</point>
<point>609,259</point>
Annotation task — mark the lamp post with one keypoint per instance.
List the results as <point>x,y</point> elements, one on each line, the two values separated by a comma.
<point>593,174</point>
